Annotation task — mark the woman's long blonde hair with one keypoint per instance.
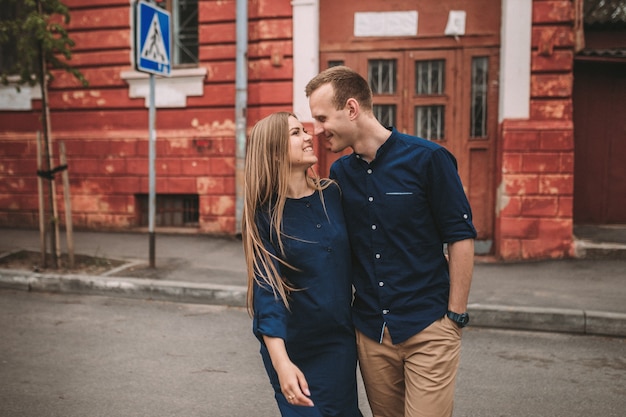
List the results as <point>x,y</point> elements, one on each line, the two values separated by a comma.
<point>266,174</point>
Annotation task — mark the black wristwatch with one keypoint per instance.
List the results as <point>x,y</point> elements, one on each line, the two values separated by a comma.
<point>461,320</point>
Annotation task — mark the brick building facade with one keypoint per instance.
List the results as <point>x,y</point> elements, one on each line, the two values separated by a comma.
<point>535,198</point>
<point>105,126</point>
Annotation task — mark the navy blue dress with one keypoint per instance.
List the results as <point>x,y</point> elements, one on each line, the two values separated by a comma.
<point>318,331</point>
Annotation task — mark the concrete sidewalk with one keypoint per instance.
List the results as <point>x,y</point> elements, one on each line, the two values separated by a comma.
<point>575,296</point>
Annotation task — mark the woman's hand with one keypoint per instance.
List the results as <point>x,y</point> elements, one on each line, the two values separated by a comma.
<point>292,381</point>
<point>293,384</point>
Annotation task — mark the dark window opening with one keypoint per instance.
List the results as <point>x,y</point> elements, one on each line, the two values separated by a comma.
<point>335,63</point>
<point>12,44</point>
<point>478,109</point>
<point>171,210</point>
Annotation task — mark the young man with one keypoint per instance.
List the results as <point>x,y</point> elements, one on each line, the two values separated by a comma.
<point>403,200</point>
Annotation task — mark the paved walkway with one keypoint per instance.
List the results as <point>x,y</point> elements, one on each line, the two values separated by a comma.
<point>576,295</point>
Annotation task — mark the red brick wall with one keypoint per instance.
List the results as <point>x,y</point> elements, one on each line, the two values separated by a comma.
<point>106,132</point>
<point>535,209</point>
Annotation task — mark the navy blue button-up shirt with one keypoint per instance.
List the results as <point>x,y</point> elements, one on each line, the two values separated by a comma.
<point>400,209</point>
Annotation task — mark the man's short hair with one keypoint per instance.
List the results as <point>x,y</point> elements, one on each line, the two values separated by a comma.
<point>346,84</point>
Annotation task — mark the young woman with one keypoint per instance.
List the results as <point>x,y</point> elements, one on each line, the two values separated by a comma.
<point>298,258</point>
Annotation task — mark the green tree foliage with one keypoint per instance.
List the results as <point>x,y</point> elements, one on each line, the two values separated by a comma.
<point>29,31</point>
<point>34,41</point>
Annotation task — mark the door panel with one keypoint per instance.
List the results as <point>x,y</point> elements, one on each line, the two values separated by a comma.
<point>600,142</point>
<point>432,84</point>
<point>477,135</point>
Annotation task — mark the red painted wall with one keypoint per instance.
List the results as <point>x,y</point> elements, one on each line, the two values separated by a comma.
<point>106,132</point>
<point>534,217</point>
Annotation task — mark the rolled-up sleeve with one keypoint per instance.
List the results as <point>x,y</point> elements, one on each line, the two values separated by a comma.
<point>270,313</point>
<point>450,207</point>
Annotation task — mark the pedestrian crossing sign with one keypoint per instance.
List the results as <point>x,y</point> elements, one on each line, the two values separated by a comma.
<point>153,39</point>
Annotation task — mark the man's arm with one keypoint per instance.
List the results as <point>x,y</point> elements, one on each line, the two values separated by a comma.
<point>461,265</point>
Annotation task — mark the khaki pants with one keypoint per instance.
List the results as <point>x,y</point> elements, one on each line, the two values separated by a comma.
<point>414,378</point>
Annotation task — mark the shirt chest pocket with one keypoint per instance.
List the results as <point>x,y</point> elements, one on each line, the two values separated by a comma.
<point>395,200</point>
<point>403,207</point>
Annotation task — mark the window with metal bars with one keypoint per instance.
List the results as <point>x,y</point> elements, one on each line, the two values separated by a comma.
<point>184,30</point>
<point>430,77</point>
<point>478,94</point>
<point>382,76</point>
<point>171,210</point>
<point>385,113</point>
<point>430,80</point>
<point>430,122</point>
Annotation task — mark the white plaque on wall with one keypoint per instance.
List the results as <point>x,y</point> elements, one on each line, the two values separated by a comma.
<point>456,23</point>
<point>385,23</point>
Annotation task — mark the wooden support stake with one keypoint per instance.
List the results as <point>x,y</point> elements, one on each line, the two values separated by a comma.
<point>55,212</point>
<point>42,211</point>
<point>68,205</point>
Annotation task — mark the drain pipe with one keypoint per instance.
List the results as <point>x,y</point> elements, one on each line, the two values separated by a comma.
<point>241,104</point>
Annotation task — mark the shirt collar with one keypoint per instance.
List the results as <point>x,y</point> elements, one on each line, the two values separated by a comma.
<point>384,148</point>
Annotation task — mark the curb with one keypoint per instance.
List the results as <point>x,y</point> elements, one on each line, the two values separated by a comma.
<point>559,320</point>
<point>586,249</point>
<point>228,295</point>
<point>598,323</point>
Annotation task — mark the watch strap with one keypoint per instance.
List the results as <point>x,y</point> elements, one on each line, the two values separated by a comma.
<point>460,319</point>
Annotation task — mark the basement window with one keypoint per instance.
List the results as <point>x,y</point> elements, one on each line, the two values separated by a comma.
<point>172,210</point>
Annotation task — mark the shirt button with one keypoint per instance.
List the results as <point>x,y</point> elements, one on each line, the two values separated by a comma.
<point>465,216</point>
<point>329,249</point>
<point>369,171</point>
<point>373,227</point>
<point>377,256</point>
<point>385,311</point>
<point>371,198</point>
<point>381,284</point>
<point>308,204</point>
<point>319,226</point>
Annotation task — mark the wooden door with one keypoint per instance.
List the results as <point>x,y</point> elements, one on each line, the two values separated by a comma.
<point>600,142</point>
<point>444,95</point>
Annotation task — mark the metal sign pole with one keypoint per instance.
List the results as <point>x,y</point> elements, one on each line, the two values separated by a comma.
<point>153,45</point>
<point>152,174</point>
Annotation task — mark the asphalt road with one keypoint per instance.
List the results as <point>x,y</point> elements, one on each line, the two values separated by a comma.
<point>78,356</point>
